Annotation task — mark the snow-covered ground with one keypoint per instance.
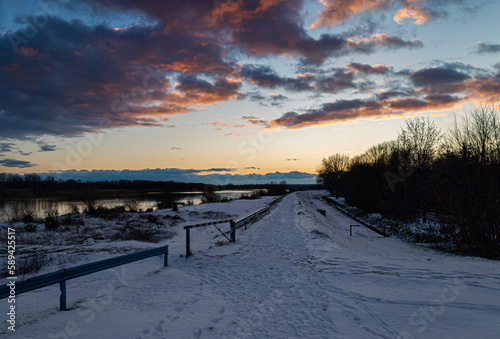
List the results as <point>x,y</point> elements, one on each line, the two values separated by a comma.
<point>293,274</point>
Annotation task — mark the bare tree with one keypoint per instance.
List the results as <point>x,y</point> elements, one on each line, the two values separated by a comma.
<point>419,142</point>
<point>380,154</point>
<point>472,154</point>
<point>476,135</point>
<point>331,171</point>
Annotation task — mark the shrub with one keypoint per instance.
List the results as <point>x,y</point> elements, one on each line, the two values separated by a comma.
<point>253,195</point>
<point>166,200</point>
<point>152,219</point>
<point>132,205</point>
<point>107,213</point>
<point>68,220</point>
<point>31,264</point>
<point>52,224</point>
<point>21,211</point>
<point>30,228</point>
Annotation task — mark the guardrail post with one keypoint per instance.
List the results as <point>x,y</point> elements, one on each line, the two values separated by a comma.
<point>188,242</point>
<point>62,298</point>
<point>245,224</point>
<point>233,231</point>
<point>165,258</point>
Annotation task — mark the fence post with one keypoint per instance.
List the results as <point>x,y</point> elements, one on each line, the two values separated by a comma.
<point>62,298</point>
<point>233,231</point>
<point>188,242</point>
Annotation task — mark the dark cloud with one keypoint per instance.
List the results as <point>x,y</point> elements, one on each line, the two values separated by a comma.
<point>332,81</point>
<point>259,28</point>
<point>215,170</point>
<point>438,76</point>
<point>25,153</point>
<point>6,147</point>
<point>266,77</point>
<point>262,76</point>
<point>48,148</point>
<point>484,48</point>
<point>185,175</point>
<point>369,69</point>
<point>277,99</point>
<point>385,95</point>
<point>337,82</point>
<point>13,163</point>
<point>346,110</point>
<point>369,44</point>
<point>271,99</point>
<point>74,77</point>
<point>255,121</point>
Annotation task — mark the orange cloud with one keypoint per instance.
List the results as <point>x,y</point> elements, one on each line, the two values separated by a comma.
<point>418,15</point>
<point>234,12</point>
<point>27,51</point>
<point>349,110</point>
<point>197,63</point>
<point>338,11</point>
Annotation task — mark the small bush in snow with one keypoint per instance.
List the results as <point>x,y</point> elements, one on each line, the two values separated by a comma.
<point>52,224</point>
<point>30,228</point>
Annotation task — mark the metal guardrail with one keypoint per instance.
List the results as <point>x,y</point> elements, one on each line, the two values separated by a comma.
<point>373,228</point>
<point>78,271</point>
<point>233,224</point>
<point>251,218</point>
<point>188,232</point>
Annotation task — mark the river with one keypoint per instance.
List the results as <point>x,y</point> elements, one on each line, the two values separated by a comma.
<point>40,206</point>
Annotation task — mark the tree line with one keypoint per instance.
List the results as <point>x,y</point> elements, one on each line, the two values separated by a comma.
<point>32,185</point>
<point>451,177</point>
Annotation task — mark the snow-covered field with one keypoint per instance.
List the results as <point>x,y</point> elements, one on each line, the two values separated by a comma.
<point>293,274</point>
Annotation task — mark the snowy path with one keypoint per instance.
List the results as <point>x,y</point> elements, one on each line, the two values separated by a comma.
<point>294,274</point>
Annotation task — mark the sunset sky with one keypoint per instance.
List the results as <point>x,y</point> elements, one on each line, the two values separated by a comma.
<point>231,87</point>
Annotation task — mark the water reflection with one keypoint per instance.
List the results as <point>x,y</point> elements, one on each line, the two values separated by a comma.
<point>40,208</point>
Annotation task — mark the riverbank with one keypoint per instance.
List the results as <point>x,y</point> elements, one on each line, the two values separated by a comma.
<point>296,273</point>
<point>48,244</point>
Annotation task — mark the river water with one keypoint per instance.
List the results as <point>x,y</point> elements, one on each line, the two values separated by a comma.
<point>40,206</point>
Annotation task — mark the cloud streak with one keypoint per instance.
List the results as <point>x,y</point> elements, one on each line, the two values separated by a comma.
<point>434,88</point>
<point>14,163</point>
<point>337,12</point>
<point>485,48</point>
